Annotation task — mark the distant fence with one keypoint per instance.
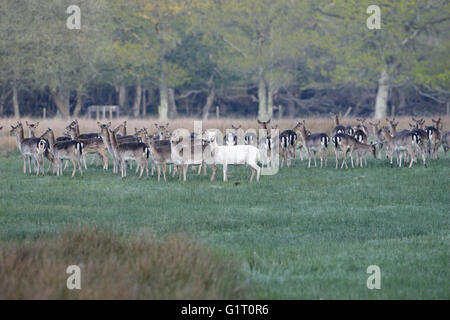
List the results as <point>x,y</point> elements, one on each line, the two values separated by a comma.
<point>101,112</point>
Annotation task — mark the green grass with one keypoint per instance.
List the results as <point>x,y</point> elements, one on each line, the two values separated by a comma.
<point>300,234</point>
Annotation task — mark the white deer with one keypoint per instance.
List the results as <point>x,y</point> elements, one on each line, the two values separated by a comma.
<point>230,155</point>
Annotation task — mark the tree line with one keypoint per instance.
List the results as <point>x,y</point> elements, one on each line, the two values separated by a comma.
<point>264,58</point>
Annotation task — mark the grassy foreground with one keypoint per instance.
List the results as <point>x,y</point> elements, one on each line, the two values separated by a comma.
<point>303,233</point>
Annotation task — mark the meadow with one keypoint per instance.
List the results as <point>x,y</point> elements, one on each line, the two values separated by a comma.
<point>300,234</point>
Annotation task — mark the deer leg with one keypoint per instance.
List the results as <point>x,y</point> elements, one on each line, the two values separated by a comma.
<point>309,158</point>
<point>59,167</point>
<point>25,164</point>
<point>224,172</point>
<point>164,171</point>
<point>344,159</point>
<point>336,153</point>
<point>214,169</point>
<point>351,157</point>
<point>159,172</point>
<point>185,168</point>
<point>142,169</point>
<point>253,173</point>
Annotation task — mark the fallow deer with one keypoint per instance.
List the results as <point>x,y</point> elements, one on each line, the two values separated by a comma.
<point>32,128</point>
<point>64,150</point>
<point>31,148</point>
<point>338,127</point>
<point>90,145</point>
<point>316,142</point>
<point>446,141</point>
<point>434,137</point>
<point>288,142</point>
<point>161,154</point>
<point>231,155</point>
<point>378,135</point>
<point>400,143</point>
<point>137,151</point>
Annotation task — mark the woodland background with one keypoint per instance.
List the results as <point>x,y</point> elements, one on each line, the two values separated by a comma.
<point>171,58</point>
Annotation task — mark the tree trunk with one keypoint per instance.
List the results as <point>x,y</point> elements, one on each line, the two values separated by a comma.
<point>209,103</point>
<point>270,92</point>
<point>122,96</point>
<point>163,94</point>
<point>144,103</point>
<point>15,101</point>
<point>137,102</point>
<point>262,95</point>
<point>79,104</point>
<point>382,95</point>
<point>61,99</point>
<point>4,97</point>
<point>173,113</point>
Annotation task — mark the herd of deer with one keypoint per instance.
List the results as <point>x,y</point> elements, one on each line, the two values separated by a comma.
<point>182,149</point>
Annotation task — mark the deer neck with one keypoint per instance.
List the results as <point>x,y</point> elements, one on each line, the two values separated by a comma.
<point>106,138</point>
<point>51,137</point>
<point>73,133</point>
<point>387,136</point>
<point>394,129</point>
<point>30,133</point>
<point>113,139</point>
<point>19,138</point>
<point>303,133</point>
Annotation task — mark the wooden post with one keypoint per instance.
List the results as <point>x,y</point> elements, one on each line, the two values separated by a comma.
<point>280,112</point>
<point>44,112</point>
<point>393,111</point>
<point>217,112</point>
<point>97,113</point>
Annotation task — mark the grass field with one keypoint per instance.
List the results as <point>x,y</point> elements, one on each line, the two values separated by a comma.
<point>300,234</point>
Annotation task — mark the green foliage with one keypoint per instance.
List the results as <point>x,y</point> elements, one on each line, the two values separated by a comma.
<point>199,44</point>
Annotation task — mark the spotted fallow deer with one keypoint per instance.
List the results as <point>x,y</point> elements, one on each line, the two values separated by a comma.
<point>30,148</point>
<point>90,145</point>
<point>64,150</point>
<point>32,128</point>
<point>315,142</point>
<point>405,142</point>
<point>446,141</point>
<point>137,151</point>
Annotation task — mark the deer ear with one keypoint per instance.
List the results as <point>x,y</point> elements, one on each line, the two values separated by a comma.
<point>268,121</point>
<point>156,125</point>
<point>37,123</point>
<point>259,121</point>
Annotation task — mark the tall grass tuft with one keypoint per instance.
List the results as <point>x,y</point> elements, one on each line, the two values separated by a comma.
<point>115,267</point>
